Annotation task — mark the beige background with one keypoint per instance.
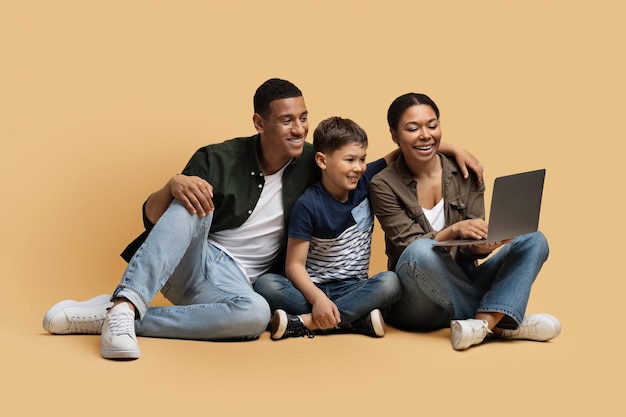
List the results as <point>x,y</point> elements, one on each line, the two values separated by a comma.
<point>102,101</point>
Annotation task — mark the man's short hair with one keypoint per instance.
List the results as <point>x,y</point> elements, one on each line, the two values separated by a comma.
<point>335,132</point>
<point>270,90</point>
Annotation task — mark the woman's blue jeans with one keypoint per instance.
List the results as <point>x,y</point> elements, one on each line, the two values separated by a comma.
<point>437,289</point>
<point>213,299</point>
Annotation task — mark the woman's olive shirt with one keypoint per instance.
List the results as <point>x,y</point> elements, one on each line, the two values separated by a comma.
<point>393,193</point>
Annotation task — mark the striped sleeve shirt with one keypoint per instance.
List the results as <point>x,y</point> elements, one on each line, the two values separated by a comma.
<point>339,234</point>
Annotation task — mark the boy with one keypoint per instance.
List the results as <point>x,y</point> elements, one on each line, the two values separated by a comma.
<point>327,288</point>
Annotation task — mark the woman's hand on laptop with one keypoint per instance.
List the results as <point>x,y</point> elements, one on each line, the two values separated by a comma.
<point>486,248</point>
<point>470,229</point>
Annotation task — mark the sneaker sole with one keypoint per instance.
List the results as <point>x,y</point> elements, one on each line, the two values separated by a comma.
<point>279,325</point>
<point>378,323</point>
<point>92,302</point>
<point>457,331</point>
<point>119,354</point>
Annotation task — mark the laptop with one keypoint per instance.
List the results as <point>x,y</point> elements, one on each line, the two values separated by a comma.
<point>515,206</point>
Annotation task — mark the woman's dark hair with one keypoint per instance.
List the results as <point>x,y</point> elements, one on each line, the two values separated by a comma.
<point>270,90</point>
<point>400,104</point>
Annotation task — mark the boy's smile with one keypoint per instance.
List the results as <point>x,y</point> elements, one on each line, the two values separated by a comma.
<point>342,169</point>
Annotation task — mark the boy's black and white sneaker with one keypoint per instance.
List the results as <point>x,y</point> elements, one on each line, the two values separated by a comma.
<point>371,325</point>
<point>285,325</point>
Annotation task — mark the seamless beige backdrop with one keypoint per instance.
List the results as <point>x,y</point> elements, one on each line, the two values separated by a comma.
<point>102,101</point>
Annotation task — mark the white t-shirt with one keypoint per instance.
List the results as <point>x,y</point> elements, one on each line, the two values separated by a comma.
<point>435,216</point>
<point>256,243</point>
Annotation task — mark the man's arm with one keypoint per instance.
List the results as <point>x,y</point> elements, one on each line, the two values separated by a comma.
<point>464,158</point>
<point>392,156</point>
<point>195,193</point>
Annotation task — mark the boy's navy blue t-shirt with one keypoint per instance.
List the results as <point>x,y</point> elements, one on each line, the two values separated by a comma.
<point>339,234</point>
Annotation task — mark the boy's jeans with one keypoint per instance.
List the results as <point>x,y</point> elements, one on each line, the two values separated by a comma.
<point>354,298</point>
<point>213,299</point>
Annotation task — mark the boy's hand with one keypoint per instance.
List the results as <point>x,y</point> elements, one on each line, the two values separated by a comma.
<point>325,314</point>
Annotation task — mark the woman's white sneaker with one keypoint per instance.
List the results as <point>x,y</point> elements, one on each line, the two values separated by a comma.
<point>118,340</point>
<point>465,333</point>
<point>538,327</point>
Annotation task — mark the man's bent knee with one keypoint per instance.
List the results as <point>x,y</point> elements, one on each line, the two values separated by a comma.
<point>254,316</point>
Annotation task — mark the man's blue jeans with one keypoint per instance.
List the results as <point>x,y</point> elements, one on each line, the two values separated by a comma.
<point>213,299</point>
<point>437,289</point>
<point>354,298</point>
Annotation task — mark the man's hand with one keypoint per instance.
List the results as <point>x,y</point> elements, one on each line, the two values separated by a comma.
<point>466,160</point>
<point>195,193</point>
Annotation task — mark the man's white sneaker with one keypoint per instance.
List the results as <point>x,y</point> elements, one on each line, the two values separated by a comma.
<point>118,340</point>
<point>538,327</point>
<point>77,317</point>
<point>465,333</point>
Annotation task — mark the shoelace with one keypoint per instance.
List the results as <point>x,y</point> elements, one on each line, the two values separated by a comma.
<point>298,329</point>
<point>307,332</point>
<point>121,323</point>
<point>480,332</point>
<point>527,329</point>
<point>86,324</point>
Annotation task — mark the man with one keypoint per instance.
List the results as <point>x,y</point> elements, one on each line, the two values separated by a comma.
<point>221,225</point>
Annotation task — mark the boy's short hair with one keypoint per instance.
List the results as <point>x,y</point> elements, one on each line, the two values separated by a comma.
<point>335,132</point>
<point>270,90</point>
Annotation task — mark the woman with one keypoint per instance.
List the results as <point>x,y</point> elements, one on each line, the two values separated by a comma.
<point>422,197</point>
